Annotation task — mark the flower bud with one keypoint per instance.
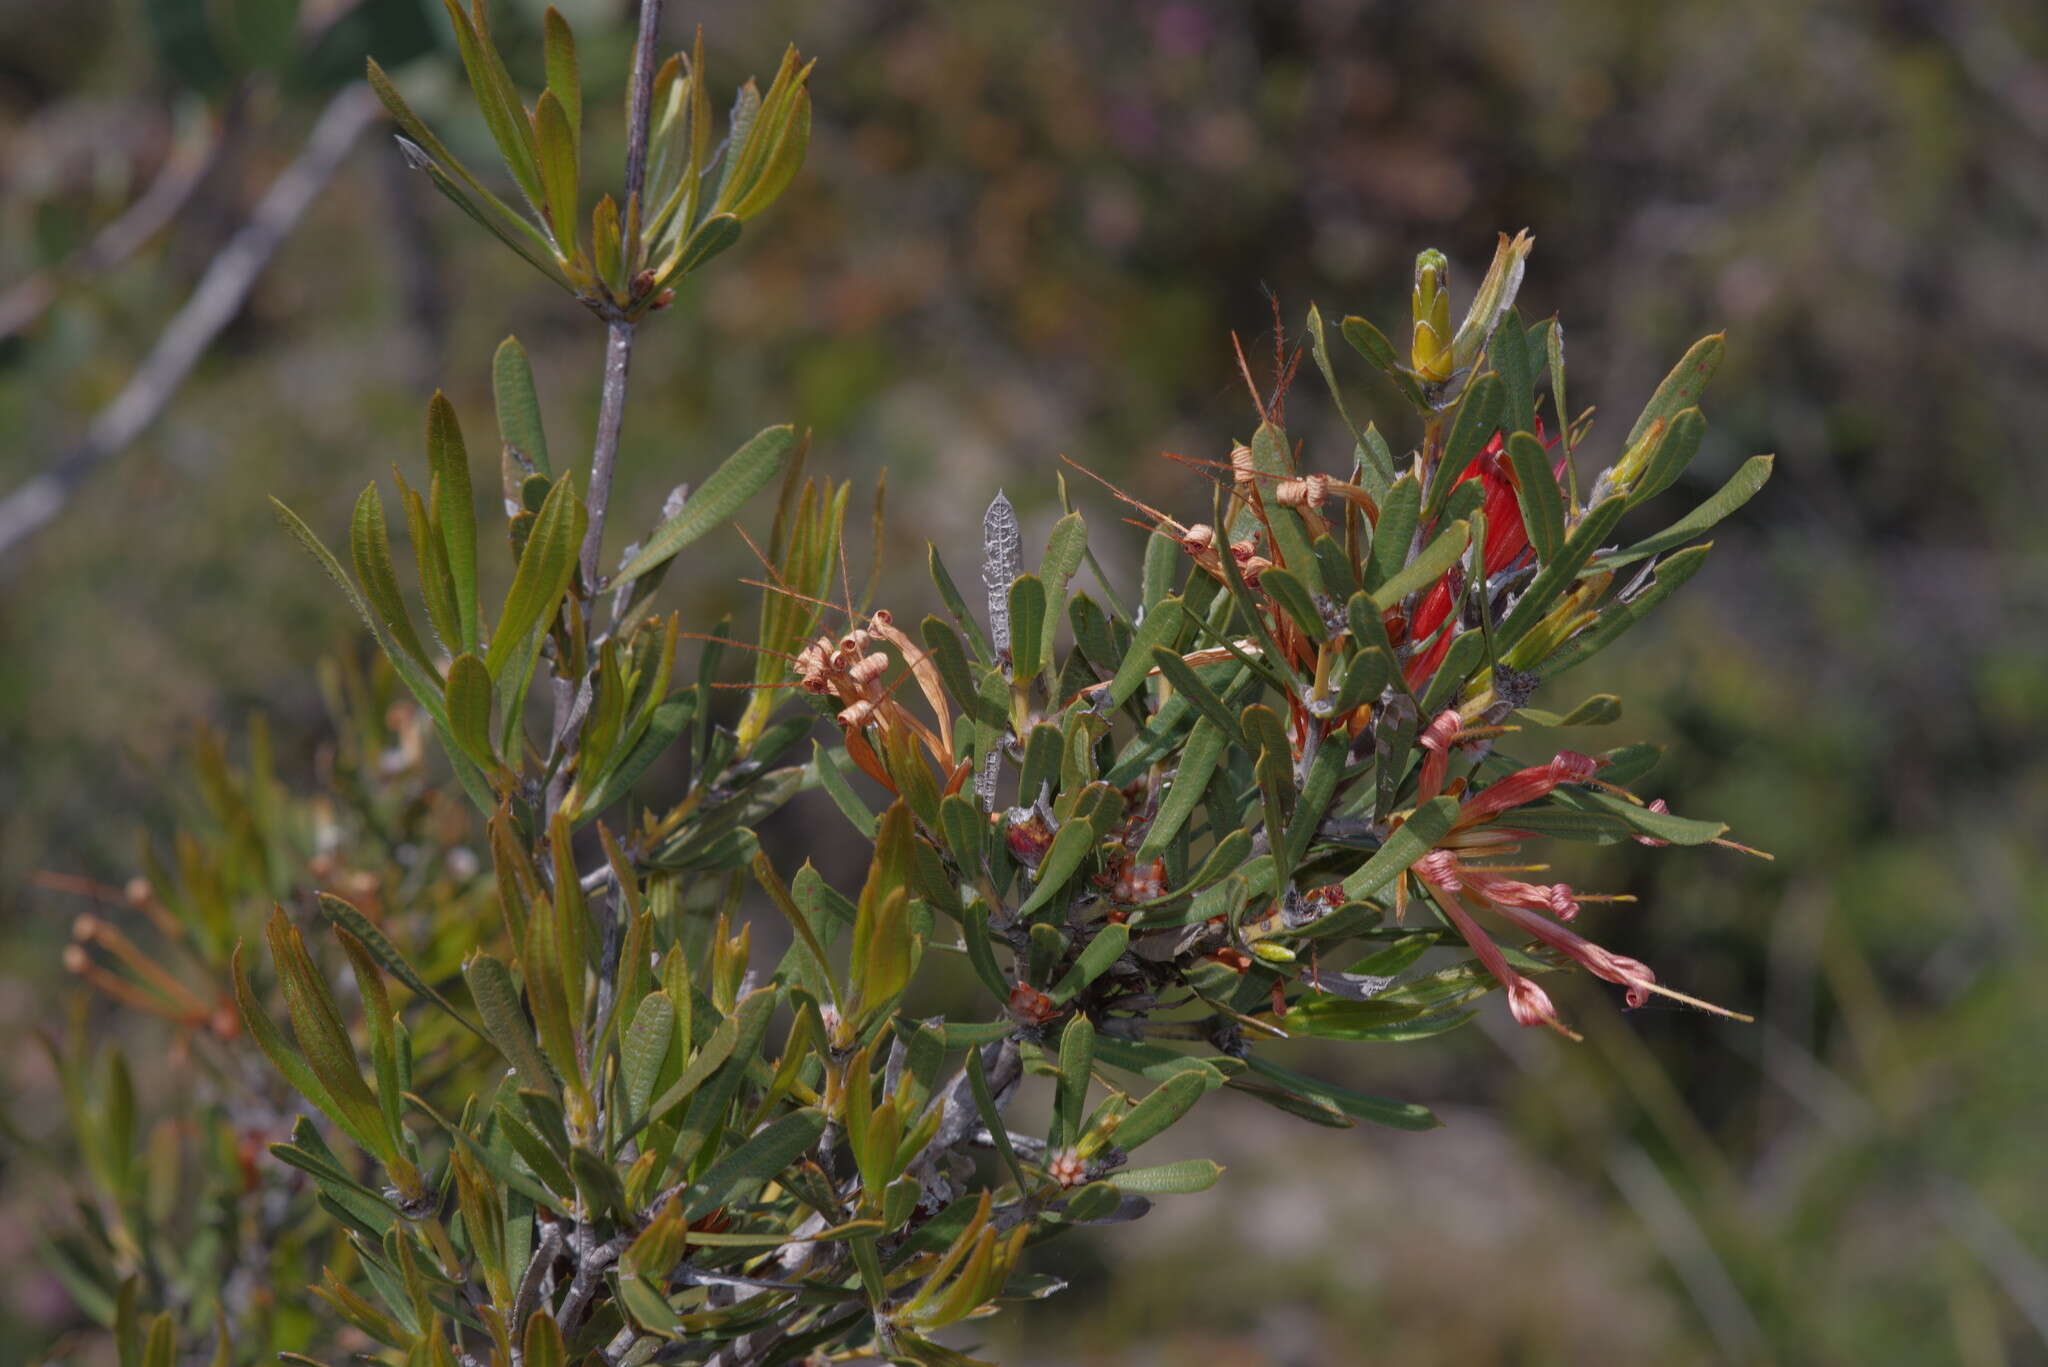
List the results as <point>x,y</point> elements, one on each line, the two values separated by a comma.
<point>1430,351</point>
<point>1272,952</point>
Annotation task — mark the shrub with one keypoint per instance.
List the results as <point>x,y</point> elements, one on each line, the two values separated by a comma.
<point>548,1105</point>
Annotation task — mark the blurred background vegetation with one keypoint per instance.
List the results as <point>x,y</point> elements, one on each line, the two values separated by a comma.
<point>1030,229</point>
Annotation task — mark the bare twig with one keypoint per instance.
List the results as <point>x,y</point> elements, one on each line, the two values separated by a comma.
<point>604,458</point>
<point>618,350</point>
<point>213,305</point>
<point>537,1270</point>
<point>192,156</point>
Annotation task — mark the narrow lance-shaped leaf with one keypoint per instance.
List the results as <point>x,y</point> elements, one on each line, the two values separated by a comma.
<point>1740,488</point>
<point>559,173</point>
<point>543,575</point>
<point>452,509</point>
<point>518,404</point>
<point>505,1022</point>
<point>418,681</point>
<point>345,917</point>
<point>1556,576</point>
<point>469,708</point>
<point>1425,569</point>
<point>565,81</point>
<point>1424,827</point>
<point>370,547</point>
<point>1681,389</point>
<point>496,101</point>
<point>1536,491</point>
<point>744,473</point>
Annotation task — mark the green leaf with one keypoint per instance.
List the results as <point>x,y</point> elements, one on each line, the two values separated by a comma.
<point>1740,488</point>
<point>559,173</point>
<point>643,1049</point>
<point>505,1023</point>
<point>1426,568</point>
<point>1672,571</point>
<point>469,708</point>
<point>714,235</point>
<point>1681,389</point>
<point>1161,628</point>
<point>324,1041</point>
<point>543,575</point>
<point>162,1348</point>
<point>344,916</point>
<point>744,473</point>
<point>1064,548</point>
<point>1418,834</point>
<point>949,593</point>
<point>1156,1062</point>
<point>1679,830</point>
<point>1160,1109</point>
<point>762,1158</point>
<point>1400,514</point>
<point>785,159</point>
<point>1399,1115</point>
<point>1203,698</point>
<point>1513,352</point>
<point>437,583</point>
<point>452,509</point>
<point>370,548</point>
<point>1479,417</point>
<point>1198,760</point>
<point>1287,590</point>
<point>1372,344</point>
<point>518,404</point>
<point>1319,348</point>
<point>543,1342</point>
<point>1169,1179</point>
<point>992,1118</point>
<point>1070,848</point>
<point>496,101</point>
<point>607,246</point>
<point>1537,493</point>
<point>1675,446</point>
<point>1077,1060</point>
<point>1030,626</point>
<point>283,1057</point>
<point>1092,962</point>
<point>469,195</point>
<point>826,767</point>
<point>949,657</point>
<point>1598,710</point>
<point>1554,578</point>
<point>565,81</point>
<point>667,722</point>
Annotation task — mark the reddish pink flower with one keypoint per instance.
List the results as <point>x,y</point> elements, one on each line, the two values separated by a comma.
<point>1529,1004</point>
<point>1527,785</point>
<point>1506,542</point>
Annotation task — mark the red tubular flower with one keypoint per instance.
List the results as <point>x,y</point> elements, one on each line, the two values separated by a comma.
<point>1527,785</point>
<point>1529,1004</point>
<point>1435,741</point>
<point>1506,542</point>
<point>1555,898</point>
<point>1619,969</point>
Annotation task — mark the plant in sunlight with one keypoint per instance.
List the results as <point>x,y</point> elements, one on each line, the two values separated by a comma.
<point>498,1065</point>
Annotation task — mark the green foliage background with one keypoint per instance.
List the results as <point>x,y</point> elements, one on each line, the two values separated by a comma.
<point>1028,230</point>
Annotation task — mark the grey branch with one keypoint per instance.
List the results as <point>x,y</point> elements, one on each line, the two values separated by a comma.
<point>213,305</point>
<point>618,347</point>
<point>195,153</point>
